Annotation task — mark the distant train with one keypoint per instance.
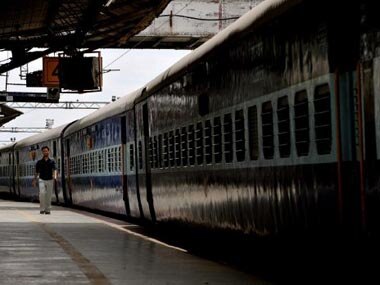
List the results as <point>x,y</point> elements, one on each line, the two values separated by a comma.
<point>271,126</point>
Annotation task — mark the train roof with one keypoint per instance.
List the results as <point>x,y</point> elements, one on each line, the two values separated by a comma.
<point>108,111</point>
<point>7,147</point>
<point>38,138</point>
<point>261,14</point>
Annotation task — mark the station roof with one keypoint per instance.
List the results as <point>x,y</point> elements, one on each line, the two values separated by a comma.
<point>7,114</point>
<point>58,25</point>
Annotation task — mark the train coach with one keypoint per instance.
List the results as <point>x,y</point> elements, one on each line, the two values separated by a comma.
<point>269,127</point>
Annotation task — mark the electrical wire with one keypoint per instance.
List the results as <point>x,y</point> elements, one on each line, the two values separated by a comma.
<point>200,19</point>
<point>141,41</point>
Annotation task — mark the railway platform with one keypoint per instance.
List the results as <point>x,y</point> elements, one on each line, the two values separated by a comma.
<point>74,247</point>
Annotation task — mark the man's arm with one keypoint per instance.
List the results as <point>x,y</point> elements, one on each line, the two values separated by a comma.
<point>55,172</point>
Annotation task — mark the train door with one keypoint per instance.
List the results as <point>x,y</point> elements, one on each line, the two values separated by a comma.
<point>10,174</point>
<point>56,159</point>
<point>68,188</point>
<point>17,174</point>
<point>350,155</point>
<point>148,174</point>
<point>123,123</point>
<point>131,189</point>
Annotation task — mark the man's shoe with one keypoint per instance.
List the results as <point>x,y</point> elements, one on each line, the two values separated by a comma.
<point>42,212</point>
<point>47,213</point>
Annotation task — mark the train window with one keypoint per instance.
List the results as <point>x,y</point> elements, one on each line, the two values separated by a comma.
<point>322,118</point>
<point>90,162</point>
<point>208,142</point>
<point>140,155</point>
<point>239,135</point>
<point>171,149</point>
<point>100,161</point>
<point>191,145</point>
<point>217,140</point>
<point>199,143</point>
<point>283,121</point>
<point>151,151</point>
<point>267,129</point>
<point>253,133</point>
<point>155,153</point>
<point>166,150</point>
<point>227,134</point>
<point>131,157</point>
<point>54,148</point>
<point>119,159</point>
<point>301,123</point>
<point>160,151</point>
<point>177,147</point>
<point>109,160</point>
<point>184,146</point>
<point>85,164</point>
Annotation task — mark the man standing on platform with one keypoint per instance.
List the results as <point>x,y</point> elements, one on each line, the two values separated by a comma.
<point>46,171</point>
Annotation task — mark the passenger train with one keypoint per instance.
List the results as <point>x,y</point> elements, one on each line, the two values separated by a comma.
<point>272,126</point>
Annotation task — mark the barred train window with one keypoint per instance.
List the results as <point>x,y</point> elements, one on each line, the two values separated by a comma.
<point>184,146</point>
<point>239,135</point>
<point>177,147</point>
<point>199,143</point>
<point>100,161</point>
<point>110,154</point>
<point>151,151</point>
<point>160,151</point>
<point>191,145</point>
<point>208,142</point>
<point>267,129</point>
<point>301,122</point>
<point>283,126</point>
<point>171,148</point>
<point>227,133</point>
<point>322,118</point>
<point>217,140</point>
<point>253,133</point>
<point>156,152</point>
<point>166,150</point>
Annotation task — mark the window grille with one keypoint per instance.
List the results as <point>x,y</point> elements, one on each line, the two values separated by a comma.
<point>283,120</point>
<point>171,149</point>
<point>267,129</point>
<point>301,122</point>
<point>184,146</point>
<point>227,132</point>
<point>322,118</point>
<point>199,143</point>
<point>177,147</point>
<point>191,140</point>
<point>253,133</point>
<point>239,135</point>
<point>208,142</point>
<point>217,140</point>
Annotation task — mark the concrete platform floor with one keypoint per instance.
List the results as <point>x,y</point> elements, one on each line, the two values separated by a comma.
<point>72,247</point>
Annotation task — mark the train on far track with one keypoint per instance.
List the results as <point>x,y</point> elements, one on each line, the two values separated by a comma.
<point>270,127</point>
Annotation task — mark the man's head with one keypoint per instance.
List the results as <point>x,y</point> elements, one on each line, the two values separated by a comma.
<point>45,151</point>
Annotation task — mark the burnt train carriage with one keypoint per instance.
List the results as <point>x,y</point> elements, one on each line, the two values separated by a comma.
<point>27,152</point>
<point>94,149</point>
<point>7,169</point>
